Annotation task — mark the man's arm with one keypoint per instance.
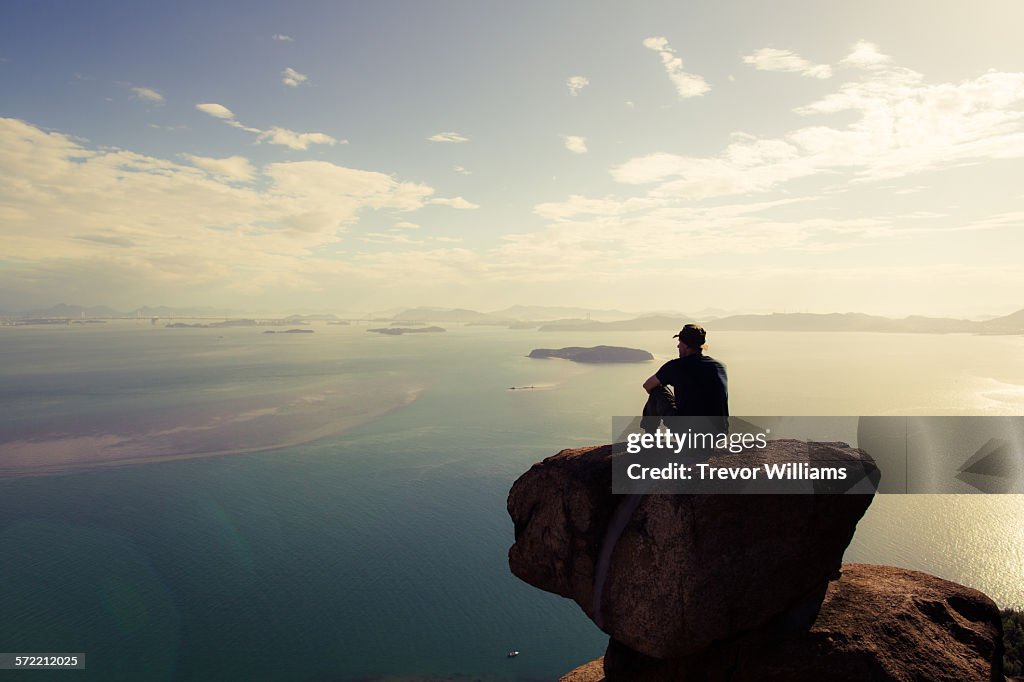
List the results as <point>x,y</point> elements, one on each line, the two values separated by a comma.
<point>652,383</point>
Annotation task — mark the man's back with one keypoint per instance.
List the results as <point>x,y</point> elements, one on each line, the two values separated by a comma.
<point>699,383</point>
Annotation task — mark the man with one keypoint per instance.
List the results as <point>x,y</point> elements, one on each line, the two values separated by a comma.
<point>692,385</point>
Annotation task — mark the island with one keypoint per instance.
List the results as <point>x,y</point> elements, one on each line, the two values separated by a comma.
<point>597,354</point>
<point>398,331</point>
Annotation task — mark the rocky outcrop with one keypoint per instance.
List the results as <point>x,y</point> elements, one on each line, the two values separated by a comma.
<point>877,623</point>
<point>596,354</point>
<point>717,588</point>
<point>688,570</point>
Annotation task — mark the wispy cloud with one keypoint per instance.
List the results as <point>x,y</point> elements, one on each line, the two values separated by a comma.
<point>274,135</point>
<point>406,225</point>
<point>448,137</point>
<point>110,240</point>
<point>294,140</point>
<point>576,206</point>
<point>230,168</point>
<point>455,202</point>
<point>216,110</point>
<point>686,84</point>
<point>223,113</point>
<point>903,126</point>
<point>280,37</point>
<point>293,78</point>
<point>148,95</point>
<point>866,55</point>
<point>575,144</point>
<point>390,238</point>
<point>772,59</point>
<point>576,83</point>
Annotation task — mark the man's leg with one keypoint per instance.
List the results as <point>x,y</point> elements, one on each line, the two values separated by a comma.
<point>660,403</point>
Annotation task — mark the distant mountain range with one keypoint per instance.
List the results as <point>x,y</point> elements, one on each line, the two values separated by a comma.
<point>810,322</point>
<point>637,324</point>
<point>64,311</point>
<point>565,318</point>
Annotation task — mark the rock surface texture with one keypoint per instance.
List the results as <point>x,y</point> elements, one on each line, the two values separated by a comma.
<point>877,623</point>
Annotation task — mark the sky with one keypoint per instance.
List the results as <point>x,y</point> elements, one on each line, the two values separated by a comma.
<point>354,156</point>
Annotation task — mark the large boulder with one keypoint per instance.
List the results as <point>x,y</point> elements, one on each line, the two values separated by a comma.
<point>877,623</point>
<point>688,570</point>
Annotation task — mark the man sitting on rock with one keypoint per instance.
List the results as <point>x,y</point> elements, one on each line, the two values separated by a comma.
<point>692,385</point>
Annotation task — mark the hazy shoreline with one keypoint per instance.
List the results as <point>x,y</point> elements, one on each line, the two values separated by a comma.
<point>294,420</point>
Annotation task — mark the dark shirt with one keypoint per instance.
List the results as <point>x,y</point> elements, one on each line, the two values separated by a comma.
<point>700,386</point>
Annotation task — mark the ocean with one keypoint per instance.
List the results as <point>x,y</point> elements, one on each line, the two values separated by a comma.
<point>227,504</point>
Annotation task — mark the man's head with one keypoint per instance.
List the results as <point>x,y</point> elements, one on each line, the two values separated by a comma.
<point>691,339</point>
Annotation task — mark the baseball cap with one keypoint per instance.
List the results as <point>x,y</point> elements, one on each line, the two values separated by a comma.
<point>692,335</point>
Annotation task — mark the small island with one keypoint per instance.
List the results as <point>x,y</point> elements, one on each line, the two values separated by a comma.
<point>398,331</point>
<point>597,354</point>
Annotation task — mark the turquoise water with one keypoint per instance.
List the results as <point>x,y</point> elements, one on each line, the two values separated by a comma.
<point>378,549</point>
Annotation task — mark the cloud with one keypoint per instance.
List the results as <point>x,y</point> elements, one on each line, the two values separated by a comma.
<point>185,227</point>
<point>577,205</point>
<point>294,140</point>
<point>456,202</point>
<point>686,84</point>
<point>462,171</point>
<point>293,78</point>
<point>223,113</point>
<point>883,122</point>
<point>771,59</point>
<point>230,168</point>
<point>280,37</point>
<point>406,225</point>
<point>866,55</point>
<point>390,238</point>
<point>110,240</point>
<point>148,95</point>
<point>216,110</point>
<point>575,144</point>
<point>576,83</point>
<point>901,125</point>
<point>448,137</point>
<point>275,135</point>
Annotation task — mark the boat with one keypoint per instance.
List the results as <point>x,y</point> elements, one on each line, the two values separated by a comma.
<point>512,654</point>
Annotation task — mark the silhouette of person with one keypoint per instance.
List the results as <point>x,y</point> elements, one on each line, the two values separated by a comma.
<point>693,385</point>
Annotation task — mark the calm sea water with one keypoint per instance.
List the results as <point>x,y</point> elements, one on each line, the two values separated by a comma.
<point>377,550</point>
